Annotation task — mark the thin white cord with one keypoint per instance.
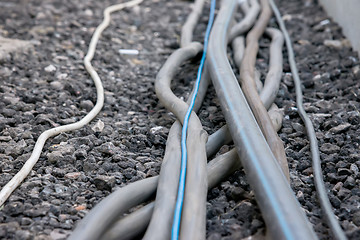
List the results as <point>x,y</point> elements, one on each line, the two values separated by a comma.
<point>29,164</point>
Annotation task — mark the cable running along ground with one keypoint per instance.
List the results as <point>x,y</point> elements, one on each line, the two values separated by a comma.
<point>318,177</point>
<point>29,164</point>
<point>181,189</point>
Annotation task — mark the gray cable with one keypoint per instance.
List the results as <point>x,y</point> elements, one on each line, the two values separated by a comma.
<point>276,116</point>
<point>131,225</point>
<point>108,210</point>
<point>111,208</point>
<point>160,225</point>
<point>247,22</point>
<point>281,210</point>
<point>273,77</point>
<point>318,177</point>
<point>248,86</point>
<point>193,220</point>
<point>162,217</point>
<point>189,26</point>
<point>135,223</point>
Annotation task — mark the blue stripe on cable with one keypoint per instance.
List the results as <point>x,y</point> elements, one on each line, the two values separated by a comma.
<point>180,196</point>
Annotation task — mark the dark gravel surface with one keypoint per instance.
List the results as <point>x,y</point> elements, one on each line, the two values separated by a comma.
<point>46,86</point>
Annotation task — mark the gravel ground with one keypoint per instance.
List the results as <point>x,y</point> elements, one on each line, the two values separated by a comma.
<point>44,84</point>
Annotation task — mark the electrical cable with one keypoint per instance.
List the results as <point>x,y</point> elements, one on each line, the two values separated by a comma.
<point>222,136</point>
<point>189,26</point>
<point>215,141</point>
<point>196,192</point>
<point>276,116</point>
<point>160,224</point>
<point>280,209</point>
<point>244,5</point>
<point>243,26</point>
<point>269,91</point>
<point>118,202</point>
<point>110,208</point>
<point>121,200</point>
<point>238,46</point>
<point>180,197</point>
<point>29,164</point>
<point>132,225</point>
<point>271,82</point>
<point>273,77</point>
<point>315,155</point>
<point>169,174</point>
<point>135,223</point>
<point>248,86</point>
<point>161,219</point>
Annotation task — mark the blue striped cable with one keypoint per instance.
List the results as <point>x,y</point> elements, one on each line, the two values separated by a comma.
<point>180,196</point>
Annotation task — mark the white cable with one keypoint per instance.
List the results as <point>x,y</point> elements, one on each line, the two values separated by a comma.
<point>29,164</point>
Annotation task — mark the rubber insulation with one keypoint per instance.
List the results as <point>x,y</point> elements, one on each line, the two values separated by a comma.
<point>280,209</point>
<point>29,164</point>
<point>247,72</point>
<point>315,155</point>
<point>193,216</point>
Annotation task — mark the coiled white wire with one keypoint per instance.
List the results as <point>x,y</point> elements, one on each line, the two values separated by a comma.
<point>29,164</point>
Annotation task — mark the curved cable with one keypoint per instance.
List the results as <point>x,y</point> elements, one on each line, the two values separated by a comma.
<point>180,196</point>
<point>29,164</point>
<point>135,223</point>
<point>248,85</point>
<point>318,177</point>
<point>110,208</point>
<point>163,214</point>
<point>273,77</point>
<point>189,26</point>
<point>243,26</point>
<point>281,210</point>
<point>194,210</point>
